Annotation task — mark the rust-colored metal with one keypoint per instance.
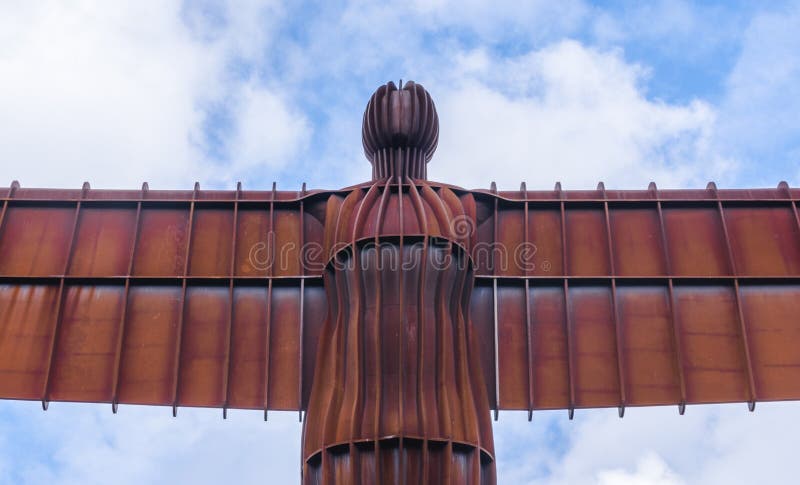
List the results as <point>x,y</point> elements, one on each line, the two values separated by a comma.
<point>397,313</point>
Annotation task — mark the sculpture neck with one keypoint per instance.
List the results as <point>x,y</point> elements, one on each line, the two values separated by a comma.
<point>399,162</point>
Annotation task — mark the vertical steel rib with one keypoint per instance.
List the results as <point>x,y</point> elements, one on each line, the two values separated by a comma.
<point>124,317</point>
<point>614,305</point>
<point>301,257</point>
<point>226,376</point>
<point>356,317</point>
<point>676,338</point>
<point>401,296</point>
<point>528,329</point>
<point>176,365</point>
<point>270,270</point>
<point>493,189</point>
<point>444,334</point>
<point>57,323</point>
<point>330,426</point>
<point>567,318</point>
<point>377,331</point>
<point>745,346</point>
<point>421,317</point>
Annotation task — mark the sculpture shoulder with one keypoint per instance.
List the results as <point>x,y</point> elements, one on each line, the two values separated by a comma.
<point>387,210</point>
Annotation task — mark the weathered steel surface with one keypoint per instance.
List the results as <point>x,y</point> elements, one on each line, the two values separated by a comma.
<point>127,297</point>
<point>563,300</point>
<point>662,283</point>
<point>668,297</point>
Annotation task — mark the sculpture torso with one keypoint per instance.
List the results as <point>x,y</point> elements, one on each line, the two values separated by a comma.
<point>393,377</point>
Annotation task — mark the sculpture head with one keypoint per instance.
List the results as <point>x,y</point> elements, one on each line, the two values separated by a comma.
<point>400,130</point>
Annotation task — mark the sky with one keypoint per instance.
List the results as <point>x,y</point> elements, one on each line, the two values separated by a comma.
<point>171,92</point>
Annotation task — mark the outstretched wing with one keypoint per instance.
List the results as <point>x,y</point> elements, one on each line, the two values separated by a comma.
<point>633,298</point>
<point>583,299</point>
<point>181,298</point>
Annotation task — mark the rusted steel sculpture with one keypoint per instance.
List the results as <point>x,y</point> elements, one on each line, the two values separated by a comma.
<point>398,395</point>
<point>397,313</point>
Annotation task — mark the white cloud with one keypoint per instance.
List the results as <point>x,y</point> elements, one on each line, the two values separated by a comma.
<point>759,112</point>
<point>86,444</point>
<point>709,444</point>
<point>266,133</point>
<point>650,470</point>
<point>571,113</point>
<point>115,93</point>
